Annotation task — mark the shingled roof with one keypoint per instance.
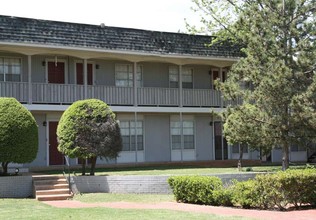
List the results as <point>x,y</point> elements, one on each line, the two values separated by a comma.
<point>64,34</point>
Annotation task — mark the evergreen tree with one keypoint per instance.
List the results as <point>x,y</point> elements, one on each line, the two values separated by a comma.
<point>276,75</point>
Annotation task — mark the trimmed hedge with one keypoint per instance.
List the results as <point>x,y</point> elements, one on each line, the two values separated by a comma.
<point>266,191</point>
<point>195,189</point>
<point>18,133</point>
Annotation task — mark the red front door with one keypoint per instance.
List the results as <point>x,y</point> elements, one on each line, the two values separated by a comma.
<point>56,72</point>
<point>79,69</point>
<point>55,157</point>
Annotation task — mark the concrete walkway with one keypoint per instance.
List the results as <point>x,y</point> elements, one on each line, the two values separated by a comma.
<point>224,211</point>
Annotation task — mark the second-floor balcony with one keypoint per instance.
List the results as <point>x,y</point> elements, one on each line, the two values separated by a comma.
<point>65,94</point>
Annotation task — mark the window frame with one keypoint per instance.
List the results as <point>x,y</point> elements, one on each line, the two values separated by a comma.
<point>130,80</point>
<point>132,134</point>
<point>10,67</point>
<point>182,134</point>
<point>176,83</point>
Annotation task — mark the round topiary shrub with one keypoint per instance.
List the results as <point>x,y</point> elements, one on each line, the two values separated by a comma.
<point>18,134</point>
<point>88,129</point>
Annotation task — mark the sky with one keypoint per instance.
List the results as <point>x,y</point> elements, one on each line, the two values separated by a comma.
<point>158,15</point>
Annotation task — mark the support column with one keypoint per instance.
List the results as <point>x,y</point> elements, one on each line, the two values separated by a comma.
<point>222,136</point>
<point>182,140</point>
<point>85,78</point>
<point>135,83</point>
<point>29,77</point>
<point>213,136</point>
<point>135,127</point>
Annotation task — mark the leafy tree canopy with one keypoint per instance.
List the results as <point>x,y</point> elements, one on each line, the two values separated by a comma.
<point>18,134</point>
<point>88,129</point>
<point>276,77</point>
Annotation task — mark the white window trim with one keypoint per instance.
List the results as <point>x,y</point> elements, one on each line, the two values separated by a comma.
<point>176,118</point>
<point>183,67</point>
<point>133,136</point>
<point>131,66</point>
<point>14,57</point>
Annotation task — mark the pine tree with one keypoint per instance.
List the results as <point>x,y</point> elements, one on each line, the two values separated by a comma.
<point>276,76</point>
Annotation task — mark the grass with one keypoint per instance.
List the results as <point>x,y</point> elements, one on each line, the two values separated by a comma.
<point>172,170</point>
<point>32,209</point>
<point>112,197</point>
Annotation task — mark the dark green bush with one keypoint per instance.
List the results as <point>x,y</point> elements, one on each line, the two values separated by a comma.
<point>266,191</point>
<point>295,187</point>
<point>195,189</point>
<point>223,197</point>
<point>18,133</point>
<point>245,194</point>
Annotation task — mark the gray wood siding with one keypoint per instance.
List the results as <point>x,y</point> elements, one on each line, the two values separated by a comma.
<point>105,75</point>
<point>204,138</point>
<point>41,158</point>
<point>201,77</point>
<point>38,70</point>
<point>157,138</point>
<point>155,74</point>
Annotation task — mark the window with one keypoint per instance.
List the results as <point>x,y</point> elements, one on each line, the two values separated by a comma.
<point>187,77</point>
<point>174,76</point>
<point>296,148</point>
<point>10,69</point>
<point>236,149</point>
<point>124,75</point>
<point>188,135</point>
<point>176,135</point>
<point>128,135</point>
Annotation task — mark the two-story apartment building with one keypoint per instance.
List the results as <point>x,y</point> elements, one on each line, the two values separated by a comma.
<point>160,85</point>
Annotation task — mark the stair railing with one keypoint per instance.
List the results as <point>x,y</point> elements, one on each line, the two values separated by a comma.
<point>64,173</point>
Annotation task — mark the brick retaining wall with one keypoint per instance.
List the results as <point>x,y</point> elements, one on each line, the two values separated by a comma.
<point>137,184</point>
<point>16,187</point>
<point>22,186</point>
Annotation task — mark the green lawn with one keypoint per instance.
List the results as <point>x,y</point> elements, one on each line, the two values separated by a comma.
<point>113,197</point>
<point>32,209</point>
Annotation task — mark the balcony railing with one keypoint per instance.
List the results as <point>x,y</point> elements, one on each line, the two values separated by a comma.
<point>158,96</point>
<point>56,93</point>
<point>112,95</point>
<point>13,89</point>
<point>68,93</point>
<point>201,98</point>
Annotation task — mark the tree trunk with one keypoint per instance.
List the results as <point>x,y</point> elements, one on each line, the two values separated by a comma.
<point>285,156</point>
<point>241,153</point>
<point>93,162</point>
<point>83,166</point>
<point>4,168</point>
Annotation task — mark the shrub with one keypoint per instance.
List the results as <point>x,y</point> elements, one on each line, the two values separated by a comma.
<point>245,194</point>
<point>18,133</point>
<point>296,187</point>
<point>223,197</point>
<point>88,129</point>
<point>195,189</point>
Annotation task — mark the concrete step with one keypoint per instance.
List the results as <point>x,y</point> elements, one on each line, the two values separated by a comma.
<point>53,197</point>
<point>52,191</point>
<point>51,186</point>
<point>50,182</point>
<point>47,177</point>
